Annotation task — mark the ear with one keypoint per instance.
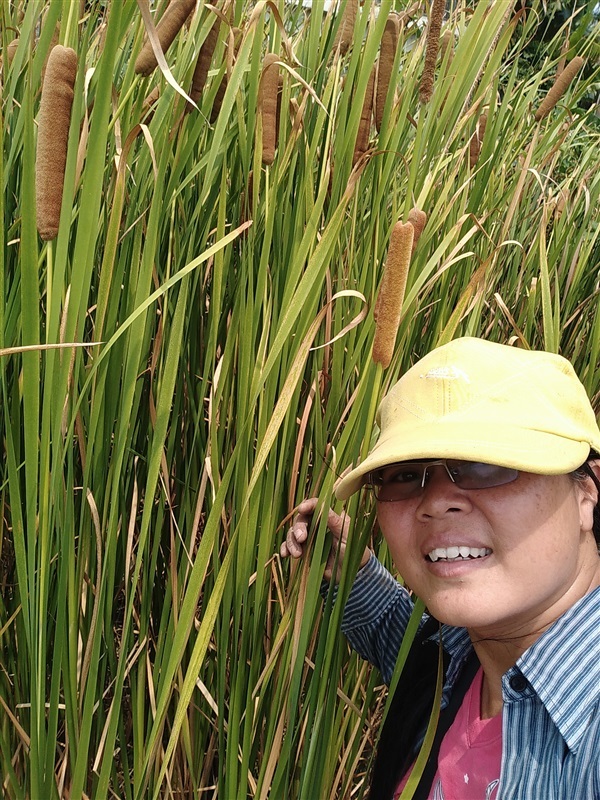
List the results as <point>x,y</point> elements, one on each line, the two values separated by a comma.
<point>589,497</point>
<point>595,465</point>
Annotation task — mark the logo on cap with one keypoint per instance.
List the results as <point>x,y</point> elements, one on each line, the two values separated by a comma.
<point>448,374</point>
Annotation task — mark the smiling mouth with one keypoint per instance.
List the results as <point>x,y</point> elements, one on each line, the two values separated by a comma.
<point>461,553</point>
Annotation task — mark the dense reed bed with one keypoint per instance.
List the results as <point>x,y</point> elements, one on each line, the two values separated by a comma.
<point>191,355</point>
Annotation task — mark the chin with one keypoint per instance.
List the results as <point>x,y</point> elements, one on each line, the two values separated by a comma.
<point>467,614</point>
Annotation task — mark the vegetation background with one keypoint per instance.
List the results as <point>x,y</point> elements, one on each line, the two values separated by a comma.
<point>191,356</point>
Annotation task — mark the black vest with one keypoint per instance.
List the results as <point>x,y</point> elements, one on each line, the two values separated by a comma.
<point>408,715</point>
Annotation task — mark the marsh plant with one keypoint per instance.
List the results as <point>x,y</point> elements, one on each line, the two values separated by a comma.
<point>196,219</point>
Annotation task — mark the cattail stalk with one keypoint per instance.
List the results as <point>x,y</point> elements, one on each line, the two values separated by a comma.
<point>436,15</point>
<point>167,29</point>
<point>345,31</point>
<point>148,104</point>
<point>561,84</point>
<point>267,106</point>
<point>392,293</point>
<point>477,140</point>
<point>53,133</point>
<point>364,126</point>
<point>203,64</point>
<point>387,55</point>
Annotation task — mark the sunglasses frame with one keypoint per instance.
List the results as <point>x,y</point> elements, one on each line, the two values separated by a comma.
<point>426,463</point>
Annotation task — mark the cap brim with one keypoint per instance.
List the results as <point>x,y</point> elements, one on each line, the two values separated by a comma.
<point>507,446</point>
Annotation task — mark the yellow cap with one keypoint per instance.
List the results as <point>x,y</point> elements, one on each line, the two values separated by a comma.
<point>480,401</point>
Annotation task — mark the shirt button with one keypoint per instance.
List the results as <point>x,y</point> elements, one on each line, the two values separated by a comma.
<point>518,682</point>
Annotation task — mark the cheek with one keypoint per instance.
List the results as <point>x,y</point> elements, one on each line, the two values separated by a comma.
<point>394,523</point>
<point>550,534</point>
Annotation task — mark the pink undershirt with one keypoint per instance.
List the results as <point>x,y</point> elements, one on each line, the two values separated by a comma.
<point>470,754</point>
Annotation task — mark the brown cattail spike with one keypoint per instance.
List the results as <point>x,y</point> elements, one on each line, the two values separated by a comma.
<point>345,31</point>
<point>364,126</point>
<point>267,106</point>
<point>561,84</point>
<point>167,29</point>
<point>418,219</point>
<point>561,202</point>
<point>392,293</point>
<point>436,15</point>
<point>446,44</point>
<point>477,140</point>
<point>11,49</point>
<point>387,54</point>
<point>53,134</point>
<point>563,58</point>
<point>203,64</point>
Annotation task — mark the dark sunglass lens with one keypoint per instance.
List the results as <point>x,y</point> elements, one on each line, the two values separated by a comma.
<point>475,475</point>
<point>398,482</point>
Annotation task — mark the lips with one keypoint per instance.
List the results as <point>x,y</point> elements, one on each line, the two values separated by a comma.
<point>457,553</point>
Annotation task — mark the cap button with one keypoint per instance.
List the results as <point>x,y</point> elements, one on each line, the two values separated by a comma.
<point>518,682</point>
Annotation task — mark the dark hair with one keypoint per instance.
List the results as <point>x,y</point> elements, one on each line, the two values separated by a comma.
<point>586,471</point>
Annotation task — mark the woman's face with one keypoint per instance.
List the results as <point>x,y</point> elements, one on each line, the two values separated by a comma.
<point>531,551</point>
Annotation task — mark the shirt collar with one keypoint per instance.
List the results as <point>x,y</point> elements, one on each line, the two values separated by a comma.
<point>563,667</point>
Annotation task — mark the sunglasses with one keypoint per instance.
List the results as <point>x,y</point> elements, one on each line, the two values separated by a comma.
<point>405,480</point>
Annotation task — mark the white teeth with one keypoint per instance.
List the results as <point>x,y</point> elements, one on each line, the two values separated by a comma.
<point>460,552</point>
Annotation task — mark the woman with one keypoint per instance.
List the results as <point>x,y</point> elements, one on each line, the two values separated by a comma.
<point>486,477</point>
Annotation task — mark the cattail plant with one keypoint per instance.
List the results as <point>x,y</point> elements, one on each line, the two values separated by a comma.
<point>11,49</point>
<point>558,203</point>
<point>563,58</point>
<point>53,133</point>
<point>418,219</point>
<point>364,126</point>
<point>477,140</point>
<point>167,29</point>
<point>434,27</point>
<point>345,31</point>
<point>446,45</point>
<point>392,292</point>
<point>267,104</point>
<point>561,84</point>
<point>387,55</point>
<point>203,64</point>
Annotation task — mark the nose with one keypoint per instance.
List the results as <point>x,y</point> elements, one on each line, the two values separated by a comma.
<point>440,495</point>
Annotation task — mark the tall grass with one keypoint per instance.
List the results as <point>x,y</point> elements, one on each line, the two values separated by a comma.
<point>192,355</point>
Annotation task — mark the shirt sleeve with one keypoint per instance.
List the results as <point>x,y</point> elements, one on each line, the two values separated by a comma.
<point>376,615</point>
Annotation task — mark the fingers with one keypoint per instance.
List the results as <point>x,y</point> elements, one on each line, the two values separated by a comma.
<point>298,533</point>
<point>338,525</point>
<point>294,541</point>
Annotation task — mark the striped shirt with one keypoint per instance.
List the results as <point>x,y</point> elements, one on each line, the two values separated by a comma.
<point>551,712</point>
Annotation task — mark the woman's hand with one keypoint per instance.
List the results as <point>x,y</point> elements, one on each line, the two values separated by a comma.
<point>297,536</point>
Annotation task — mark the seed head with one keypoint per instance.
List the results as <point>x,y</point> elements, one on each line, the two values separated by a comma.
<point>53,132</point>
<point>561,84</point>
<point>387,55</point>
<point>436,16</point>
<point>167,29</point>
<point>392,293</point>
